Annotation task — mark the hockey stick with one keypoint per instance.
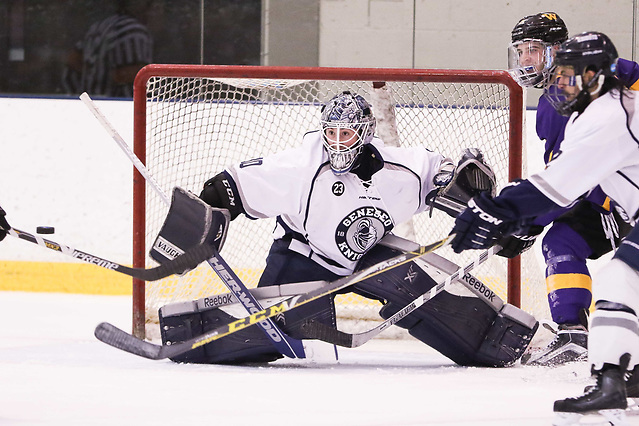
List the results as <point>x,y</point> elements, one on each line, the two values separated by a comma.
<point>117,338</point>
<point>286,345</point>
<point>315,330</point>
<point>188,260</point>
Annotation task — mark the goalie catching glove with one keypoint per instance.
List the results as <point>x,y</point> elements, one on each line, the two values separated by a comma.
<point>190,222</point>
<point>459,184</point>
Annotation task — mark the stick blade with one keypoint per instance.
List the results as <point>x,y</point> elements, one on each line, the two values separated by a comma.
<point>113,336</point>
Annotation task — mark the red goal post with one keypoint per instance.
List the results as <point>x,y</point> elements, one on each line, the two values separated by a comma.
<point>176,108</point>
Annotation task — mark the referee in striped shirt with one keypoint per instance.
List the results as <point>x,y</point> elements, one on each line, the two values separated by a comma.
<point>106,61</point>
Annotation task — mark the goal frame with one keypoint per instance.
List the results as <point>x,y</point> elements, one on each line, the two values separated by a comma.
<point>515,133</point>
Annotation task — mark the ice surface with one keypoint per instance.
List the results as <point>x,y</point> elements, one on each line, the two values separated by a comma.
<point>54,372</point>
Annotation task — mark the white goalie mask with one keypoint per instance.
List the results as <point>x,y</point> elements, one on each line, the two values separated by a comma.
<point>347,124</point>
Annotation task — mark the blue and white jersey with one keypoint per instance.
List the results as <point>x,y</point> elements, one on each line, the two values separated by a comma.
<point>333,219</point>
<point>600,147</point>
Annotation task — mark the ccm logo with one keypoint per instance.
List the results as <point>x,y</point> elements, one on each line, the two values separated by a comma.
<point>229,192</point>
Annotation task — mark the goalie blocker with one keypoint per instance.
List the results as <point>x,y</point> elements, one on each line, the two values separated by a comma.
<point>468,322</point>
<point>189,222</point>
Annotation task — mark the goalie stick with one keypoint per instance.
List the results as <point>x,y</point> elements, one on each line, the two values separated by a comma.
<point>117,338</point>
<point>315,330</point>
<point>188,260</point>
<point>292,348</point>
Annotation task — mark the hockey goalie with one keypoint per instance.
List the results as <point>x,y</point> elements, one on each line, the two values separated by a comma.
<point>337,198</point>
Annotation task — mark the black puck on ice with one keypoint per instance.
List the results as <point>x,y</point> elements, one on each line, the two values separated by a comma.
<point>45,229</point>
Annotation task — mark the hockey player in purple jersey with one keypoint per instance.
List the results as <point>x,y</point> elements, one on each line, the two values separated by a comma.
<point>336,198</point>
<point>600,149</point>
<point>588,229</point>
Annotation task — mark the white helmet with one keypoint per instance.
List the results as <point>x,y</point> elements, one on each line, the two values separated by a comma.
<point>346,111</point>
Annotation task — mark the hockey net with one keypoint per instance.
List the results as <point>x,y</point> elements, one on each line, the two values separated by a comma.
<point>193,121</point>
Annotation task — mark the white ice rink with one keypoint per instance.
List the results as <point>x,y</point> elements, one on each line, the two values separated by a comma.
<point>54,372</point>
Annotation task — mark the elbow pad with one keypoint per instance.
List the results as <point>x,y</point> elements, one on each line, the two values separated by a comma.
<point>221,191</point>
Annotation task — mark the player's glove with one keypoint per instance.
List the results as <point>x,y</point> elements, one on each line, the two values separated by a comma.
<point>4,226</point>
<point>514,245</point>
<point>481,224</point>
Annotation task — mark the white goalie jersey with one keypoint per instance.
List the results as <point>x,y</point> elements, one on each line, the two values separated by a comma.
<point>603,149</point>
<point>335,220</point>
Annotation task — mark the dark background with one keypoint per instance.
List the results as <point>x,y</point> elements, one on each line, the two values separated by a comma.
<point>47,30</point>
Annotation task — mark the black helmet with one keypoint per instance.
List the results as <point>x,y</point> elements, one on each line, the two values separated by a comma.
<point>589,51</point>
<point>530,54</point>
<point>547,27</point>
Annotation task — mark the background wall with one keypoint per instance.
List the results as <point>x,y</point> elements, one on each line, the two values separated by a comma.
<point>458,34</point>
<point>37,36</point>
<point>467,34</point>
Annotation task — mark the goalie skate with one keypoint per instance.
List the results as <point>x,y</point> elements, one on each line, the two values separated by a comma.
<point>570,344</point>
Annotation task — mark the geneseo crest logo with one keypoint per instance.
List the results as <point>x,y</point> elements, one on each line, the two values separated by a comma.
<point>360,230</point>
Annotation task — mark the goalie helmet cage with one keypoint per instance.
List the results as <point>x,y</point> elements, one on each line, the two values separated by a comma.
<point>191,121</point>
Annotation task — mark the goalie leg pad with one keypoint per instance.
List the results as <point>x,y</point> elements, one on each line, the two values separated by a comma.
<point>507,338</point>
<point>465,328</point>
<point>250,345</point>
<point>245,346</point>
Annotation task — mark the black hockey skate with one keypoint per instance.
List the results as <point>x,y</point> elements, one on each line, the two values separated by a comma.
<point>570,344</point>
<point>632,384</point>
<point>632,390</point>
<point>606,398</point>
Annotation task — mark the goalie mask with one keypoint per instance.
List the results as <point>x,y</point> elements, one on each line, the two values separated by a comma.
<point>582,65</point>
<point>347,124</point>
<point>530,54</point>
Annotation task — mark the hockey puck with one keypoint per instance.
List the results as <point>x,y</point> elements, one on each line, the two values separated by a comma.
<point>45,229</point>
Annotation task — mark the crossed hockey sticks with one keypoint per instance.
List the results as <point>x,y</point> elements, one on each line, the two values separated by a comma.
<point>292,348</point>
<point>117,338</point>
<point>315,330</point>
<point>188,260</point>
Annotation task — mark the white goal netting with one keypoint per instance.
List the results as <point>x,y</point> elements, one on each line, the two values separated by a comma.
<point>196,125</point>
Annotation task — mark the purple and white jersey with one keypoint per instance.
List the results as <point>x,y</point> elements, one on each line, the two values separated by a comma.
<point>600,147</point>
<point>335,220</point>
